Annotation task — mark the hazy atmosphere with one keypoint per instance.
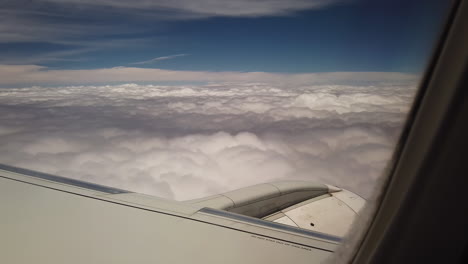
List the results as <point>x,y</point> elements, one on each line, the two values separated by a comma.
<point>183,99</point>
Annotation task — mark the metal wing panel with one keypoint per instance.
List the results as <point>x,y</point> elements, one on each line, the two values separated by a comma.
<point>47,222</point>
<point>332,213</point>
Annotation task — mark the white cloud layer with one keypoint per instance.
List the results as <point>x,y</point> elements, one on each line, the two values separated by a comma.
<point>34,74</point>
<point>189,141</point>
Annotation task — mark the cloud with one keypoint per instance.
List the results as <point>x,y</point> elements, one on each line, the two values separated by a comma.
<point>62,21</point>
<point>34,75</point>
<point>160,59</point>
<point>63,55</point>
<point>207,8</point>
<point>189,141</point>
<point>24,24</point>
<point>66,29</point>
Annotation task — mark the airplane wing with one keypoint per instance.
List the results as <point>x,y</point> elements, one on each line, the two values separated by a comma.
<point>51,219</point>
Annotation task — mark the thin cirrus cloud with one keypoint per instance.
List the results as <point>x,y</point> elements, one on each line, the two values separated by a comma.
<point>188,141</point>
<point>56,20</point>
<point>67,55</point>
<point>159,59</point>
<point>208,8</point>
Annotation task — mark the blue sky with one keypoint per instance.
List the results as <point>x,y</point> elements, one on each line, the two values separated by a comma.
<point>275,36</point>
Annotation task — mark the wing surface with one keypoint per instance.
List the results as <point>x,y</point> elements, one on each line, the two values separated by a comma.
<point>51,219</point>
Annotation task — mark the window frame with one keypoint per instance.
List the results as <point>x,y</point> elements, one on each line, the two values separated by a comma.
<point>421,216</point>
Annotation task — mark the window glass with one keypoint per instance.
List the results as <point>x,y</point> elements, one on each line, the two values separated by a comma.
<point>185,99</point>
